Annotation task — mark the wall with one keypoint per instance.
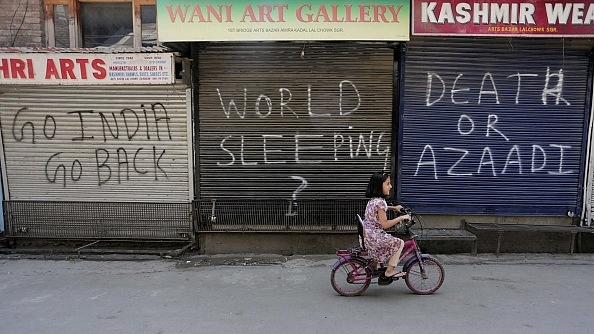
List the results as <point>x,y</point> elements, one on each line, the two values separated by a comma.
<point>21,23</point>
<point>318,243</point>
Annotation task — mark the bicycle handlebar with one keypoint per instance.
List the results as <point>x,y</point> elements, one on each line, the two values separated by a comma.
<point>406,211</point>
<point>408,223</point>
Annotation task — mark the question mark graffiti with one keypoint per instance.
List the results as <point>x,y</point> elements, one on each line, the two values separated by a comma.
<point>301,187</point>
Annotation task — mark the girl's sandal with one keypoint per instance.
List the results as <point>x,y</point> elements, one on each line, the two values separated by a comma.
<point>397,275</point>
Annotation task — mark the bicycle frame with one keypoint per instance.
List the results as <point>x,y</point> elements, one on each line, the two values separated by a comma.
<point>360,274</point>
<point>352,273</point>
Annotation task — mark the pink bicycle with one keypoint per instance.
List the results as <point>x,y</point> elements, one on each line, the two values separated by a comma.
<point>353,272</point>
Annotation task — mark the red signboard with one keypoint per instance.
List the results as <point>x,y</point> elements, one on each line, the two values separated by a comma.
<point>529,18</point>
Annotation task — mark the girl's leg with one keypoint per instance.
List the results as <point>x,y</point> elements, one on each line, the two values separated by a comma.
<point>393,262</point>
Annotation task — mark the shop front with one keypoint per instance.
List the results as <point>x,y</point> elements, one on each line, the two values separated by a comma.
<point>95,145</point>
<point>291,131</point>
<point>295,108</point>
<point>497,110</point>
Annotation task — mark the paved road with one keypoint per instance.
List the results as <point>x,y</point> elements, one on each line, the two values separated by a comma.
<point>512,294</point>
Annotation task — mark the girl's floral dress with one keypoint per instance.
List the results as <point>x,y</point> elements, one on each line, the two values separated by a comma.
<point>379,244</point>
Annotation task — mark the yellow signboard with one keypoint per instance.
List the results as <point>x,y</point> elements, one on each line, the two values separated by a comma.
<point>187,20</point>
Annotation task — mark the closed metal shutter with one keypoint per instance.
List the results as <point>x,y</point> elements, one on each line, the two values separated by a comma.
<point>293,120</point>
<point>96,143</point>
<point>494,125</point>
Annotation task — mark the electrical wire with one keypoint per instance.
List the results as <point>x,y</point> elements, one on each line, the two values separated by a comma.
<point>13,40</point>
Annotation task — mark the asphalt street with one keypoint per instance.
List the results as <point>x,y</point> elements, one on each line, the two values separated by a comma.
<point>518,293</point>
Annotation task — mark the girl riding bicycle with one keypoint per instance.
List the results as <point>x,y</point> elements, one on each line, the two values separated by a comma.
<point>380,245</point>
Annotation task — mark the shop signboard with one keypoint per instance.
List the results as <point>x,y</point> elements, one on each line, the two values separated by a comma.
<point>527,18</point>
<point>86,68</point>
<point>257,20</point>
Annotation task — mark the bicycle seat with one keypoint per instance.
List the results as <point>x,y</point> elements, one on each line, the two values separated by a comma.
<point>358,251</point>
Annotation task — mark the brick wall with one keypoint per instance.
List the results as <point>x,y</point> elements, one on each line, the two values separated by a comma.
<point>21,23</point>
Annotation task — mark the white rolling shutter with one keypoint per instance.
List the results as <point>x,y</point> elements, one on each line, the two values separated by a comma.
<point>96,143</point>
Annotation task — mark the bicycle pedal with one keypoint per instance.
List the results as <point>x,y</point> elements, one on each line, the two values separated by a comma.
<point>384,280</point>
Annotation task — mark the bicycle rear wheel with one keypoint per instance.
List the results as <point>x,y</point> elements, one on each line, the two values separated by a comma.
<point>428,283</point>
<point>351,278</point>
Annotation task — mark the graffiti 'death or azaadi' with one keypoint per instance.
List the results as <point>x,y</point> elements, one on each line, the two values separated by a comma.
<point>520,158</point>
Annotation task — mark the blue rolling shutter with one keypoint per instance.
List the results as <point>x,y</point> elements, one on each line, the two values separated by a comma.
<point>494,125</point>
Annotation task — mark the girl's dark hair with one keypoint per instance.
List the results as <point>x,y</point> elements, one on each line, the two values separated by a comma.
<point>374,188</point>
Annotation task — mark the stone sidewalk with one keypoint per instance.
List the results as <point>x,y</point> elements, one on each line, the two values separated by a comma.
<point>190,259</point>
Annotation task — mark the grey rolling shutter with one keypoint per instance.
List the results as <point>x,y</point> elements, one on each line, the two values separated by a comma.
<point>494,125</point>
<point>293,120</point>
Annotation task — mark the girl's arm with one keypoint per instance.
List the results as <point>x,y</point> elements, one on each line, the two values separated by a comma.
<point>386,224</point>
<point>395,208</point>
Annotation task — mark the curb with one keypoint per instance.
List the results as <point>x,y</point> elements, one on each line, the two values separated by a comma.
<point>329,259</point>
<point>189,260</point>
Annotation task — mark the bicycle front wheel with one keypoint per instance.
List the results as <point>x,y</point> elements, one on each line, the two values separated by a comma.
<point>428,283</point>
<point>351,278</point>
